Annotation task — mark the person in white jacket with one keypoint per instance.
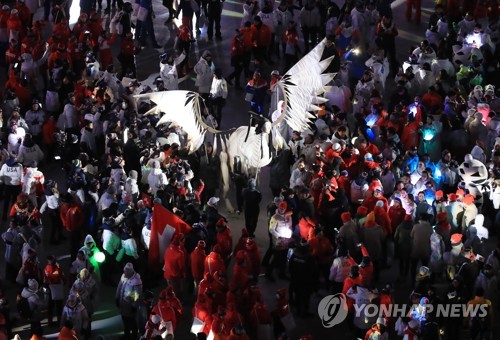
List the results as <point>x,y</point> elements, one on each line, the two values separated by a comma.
<point>31,68</point>
<point>29,151</point>
<point>11,174</point>
<point>15,138</point>
<point>310,21</point>
<point>156,177</point>
<point>127,297</point>
<point>218,95</point>
<point>36,304</point>
<point>35,119</point>
<point>76,312</point>
<point>204,74</point>
<point>33,181</point>
<point>168,70</point>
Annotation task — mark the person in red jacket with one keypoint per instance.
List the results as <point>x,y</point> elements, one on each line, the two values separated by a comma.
<point>353,279</point>
<point>15,26</point>
<point>238,333</point>
<point>168,295</point>
<point>62,29</point>
<point>214,261</point>
<point>248,299</point>
<point>410,137</point>
<point>219,290</point>
<point>197,262</point>
<point>220,325</point>
<point>13,54</point>
<point>237,58</point>
<point>24,13</point>
<point>167,314</point>
<point>366,268</point>
<point>253,256</point>
<point>105,41</point>
<point>259,317</point>
<point>321,250</point>
<point>59,53</point>
<point>72,218</point>
<point>175,263</point>
<point>224,240</point>
<point>261,40</point>
<point>382,218</point>
<point>370,202</point>
<point>202,310</point>
<point>396,214</point>
<point>241,245</point>
<point>233,317</point>
<point>53,276</point>
<point>241,273</point>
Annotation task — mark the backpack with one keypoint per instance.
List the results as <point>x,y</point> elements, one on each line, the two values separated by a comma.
<point>23,307</point>
<point>115,25</point>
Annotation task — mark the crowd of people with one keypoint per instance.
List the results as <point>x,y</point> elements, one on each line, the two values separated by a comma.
<point>406,173</point>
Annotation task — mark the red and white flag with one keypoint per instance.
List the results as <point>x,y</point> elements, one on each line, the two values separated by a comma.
<point>164,225</point>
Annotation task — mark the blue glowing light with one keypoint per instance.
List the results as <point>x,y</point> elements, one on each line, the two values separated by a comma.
<point>428,134</point>
<point>371,119</point>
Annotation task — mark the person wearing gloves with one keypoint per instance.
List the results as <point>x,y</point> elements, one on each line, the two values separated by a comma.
<point>127,297</point>
<point>110,244</point>
<point>11,174</point>
<point>168,70</point>
<point>204,70</point>
<point>16,136</point>
<point>75,311</point>
<point>90,249</point>
<point>36,305</point>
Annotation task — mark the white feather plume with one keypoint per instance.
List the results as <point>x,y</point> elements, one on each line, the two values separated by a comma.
<point>302,84</point>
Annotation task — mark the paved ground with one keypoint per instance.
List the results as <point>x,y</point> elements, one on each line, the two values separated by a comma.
<point>106,321</point>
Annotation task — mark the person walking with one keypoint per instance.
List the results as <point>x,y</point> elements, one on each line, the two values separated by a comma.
<point>251,200</point>
<point>127,298</point>
<point>204,74</point>
<point>146,24</point>
<point>421,244</point>
<point>214,9</point>
<point>237,59</point>
<point>413,4</point>
<point>218,95</point>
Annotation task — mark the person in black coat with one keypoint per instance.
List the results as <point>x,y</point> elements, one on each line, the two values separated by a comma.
<point>331,50</point>
<point>132,155</point>
<point>303,277</point>
<point>280,171</point>
<point>251,201</point>
<point>209,172</point>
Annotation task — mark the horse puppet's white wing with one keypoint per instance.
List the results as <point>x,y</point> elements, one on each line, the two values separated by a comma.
<point>181,108</point>
<point>302,85</point>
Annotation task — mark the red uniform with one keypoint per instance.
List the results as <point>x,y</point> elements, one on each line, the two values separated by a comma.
<point>13,55</point>
<point>24,14</point>
<point>241,273</point>
<point>224,239</point>
<point>15,26</point>
<point>105,55</point>
<point>220,325</point>
<point>203,310</point>
<point>261,36</point>
<point>214,263</point>
<point>71,216</point>
<point>397,215</point>
<point>259,316</point>
<point>382,219</point>
<point>197,259</point>
<point>166,312</point>
<point>282,306</point>
<point>349,282</point>
<point>175,260</point>
<point>253,256</point>
<point>62,30</point>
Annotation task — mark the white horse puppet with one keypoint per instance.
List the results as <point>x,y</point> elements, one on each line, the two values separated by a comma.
<point>302,86</point>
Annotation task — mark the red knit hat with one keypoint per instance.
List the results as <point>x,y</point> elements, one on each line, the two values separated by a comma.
<point>244,232</point>
<point>468,199</point>
<point>439,194</point>
<point>362,211</point>
<point>452,197</point>
<point>456,239</point>
<point>346,217</point>
<point>408,218</point>
<point>460,192</point>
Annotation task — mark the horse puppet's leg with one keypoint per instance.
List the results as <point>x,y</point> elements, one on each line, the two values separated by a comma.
<point>224,167</point>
